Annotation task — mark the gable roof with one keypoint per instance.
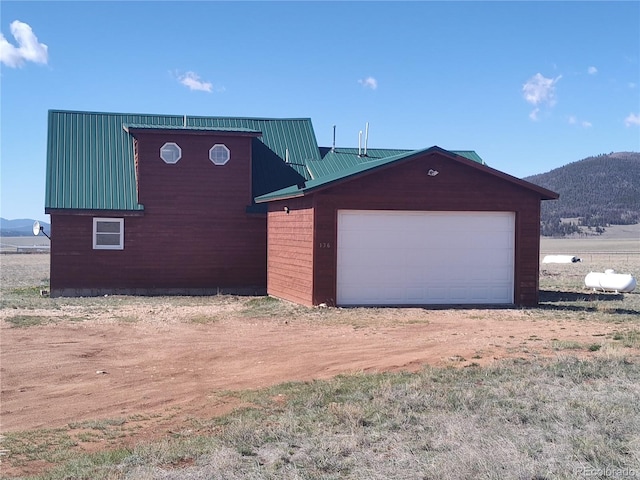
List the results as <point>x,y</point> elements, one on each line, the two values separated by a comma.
<point>91,164</point>
<point>362,168</point>
<point>91,161</point>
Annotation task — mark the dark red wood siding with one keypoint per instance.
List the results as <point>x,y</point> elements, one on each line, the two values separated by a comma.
<point>194,232</point>
<point>290,243</point>
<point>457,187</point>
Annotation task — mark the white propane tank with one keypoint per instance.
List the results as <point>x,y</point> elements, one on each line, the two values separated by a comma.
<point>610,281</point>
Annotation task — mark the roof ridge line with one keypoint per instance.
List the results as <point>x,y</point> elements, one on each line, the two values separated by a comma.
<point>178,115</point>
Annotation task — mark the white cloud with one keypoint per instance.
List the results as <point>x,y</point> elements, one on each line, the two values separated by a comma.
<point>572,120</point>
<point>592,70</point>
<point>586,124</point>
<point>193,82</point>
<point>369,82</point>
<point>632,85</point>
<point>539,90</point>
<point>632,119</point>
<point>28,49</point>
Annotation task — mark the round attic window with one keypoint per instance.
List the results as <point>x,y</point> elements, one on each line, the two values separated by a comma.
<point>219,154</point>
<point>170,152</point>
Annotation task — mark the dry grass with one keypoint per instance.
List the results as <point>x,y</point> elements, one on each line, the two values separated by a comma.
<point>516,419</point>
<point>567,418</point>
<point>23,271</point>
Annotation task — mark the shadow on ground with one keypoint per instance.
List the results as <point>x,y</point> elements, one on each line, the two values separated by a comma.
<point>582,301</point>
<point>559,296</point>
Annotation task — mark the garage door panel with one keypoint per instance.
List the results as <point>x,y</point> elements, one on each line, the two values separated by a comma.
<point>437,241</point>
<point>390,257</point>
<point>498,242</point>
<point>415,294</point>
<point>438,294</point>
<point>413,241</point>
<point>502,294</point>
<point>415,276</point>
<point>396,294</point>
<point>478,293</point>
<point>351,240</point>
<point>417,259</point>
<point>370,241</point>
<point>498,280</point>
<point>372,276</point>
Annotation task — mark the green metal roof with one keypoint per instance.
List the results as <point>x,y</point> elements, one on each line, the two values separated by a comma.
<point>342,159</point>
<point>470,154</point>
<point>90,162</point>
<point>90,159</point>
<point>91,166</point>
<point>358,168</point>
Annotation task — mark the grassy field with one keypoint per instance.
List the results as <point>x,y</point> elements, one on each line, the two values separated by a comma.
<point>572,415</point>
<point>12,244</point>
<point>567,418</point>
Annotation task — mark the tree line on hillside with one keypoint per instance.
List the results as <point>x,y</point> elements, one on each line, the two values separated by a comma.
<point>596,191</point>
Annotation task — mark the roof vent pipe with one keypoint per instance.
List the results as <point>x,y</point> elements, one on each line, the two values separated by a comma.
<point>333,148</point>
<point>360,143</point>
<point>366,138</point>
<point>286,155</point>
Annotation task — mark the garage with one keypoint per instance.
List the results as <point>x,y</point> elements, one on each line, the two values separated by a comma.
<point>429,227</point>
<point>425,257</point>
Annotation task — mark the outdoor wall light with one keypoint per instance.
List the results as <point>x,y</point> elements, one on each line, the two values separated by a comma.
<point>286,210</point>
<point>433,173</point>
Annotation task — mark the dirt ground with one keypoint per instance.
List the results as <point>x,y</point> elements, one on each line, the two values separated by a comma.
<point>170,371</point>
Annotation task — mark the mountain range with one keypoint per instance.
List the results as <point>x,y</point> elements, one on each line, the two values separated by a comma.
<point>21,227</point>
<point>594,192</point>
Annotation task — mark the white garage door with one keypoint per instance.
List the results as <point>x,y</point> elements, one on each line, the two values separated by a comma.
<point>413,258</point>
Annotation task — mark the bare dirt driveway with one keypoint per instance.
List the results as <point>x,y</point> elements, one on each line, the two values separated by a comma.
<point>173,363</point>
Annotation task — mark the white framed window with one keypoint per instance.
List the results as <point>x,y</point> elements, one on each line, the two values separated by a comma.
<point>219,154</point>
<point>170,152</point>
<point>108,233</point>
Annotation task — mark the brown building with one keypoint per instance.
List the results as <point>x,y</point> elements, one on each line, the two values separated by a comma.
<point>156,204</point>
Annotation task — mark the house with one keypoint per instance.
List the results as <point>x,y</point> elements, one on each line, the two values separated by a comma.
<point>168,204</point>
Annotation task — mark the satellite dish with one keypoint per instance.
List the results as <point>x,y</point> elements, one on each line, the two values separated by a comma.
<point>37,228</point>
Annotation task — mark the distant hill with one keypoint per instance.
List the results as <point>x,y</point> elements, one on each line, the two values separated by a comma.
<point>20,228</point>
<point>594,192</point>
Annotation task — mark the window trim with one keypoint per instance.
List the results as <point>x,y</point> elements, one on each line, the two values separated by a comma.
<point>120,245</point>
<point>171,144</point>
<point>225,148</point>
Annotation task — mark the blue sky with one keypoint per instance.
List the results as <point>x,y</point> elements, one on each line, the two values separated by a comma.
<point>529,86</point>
